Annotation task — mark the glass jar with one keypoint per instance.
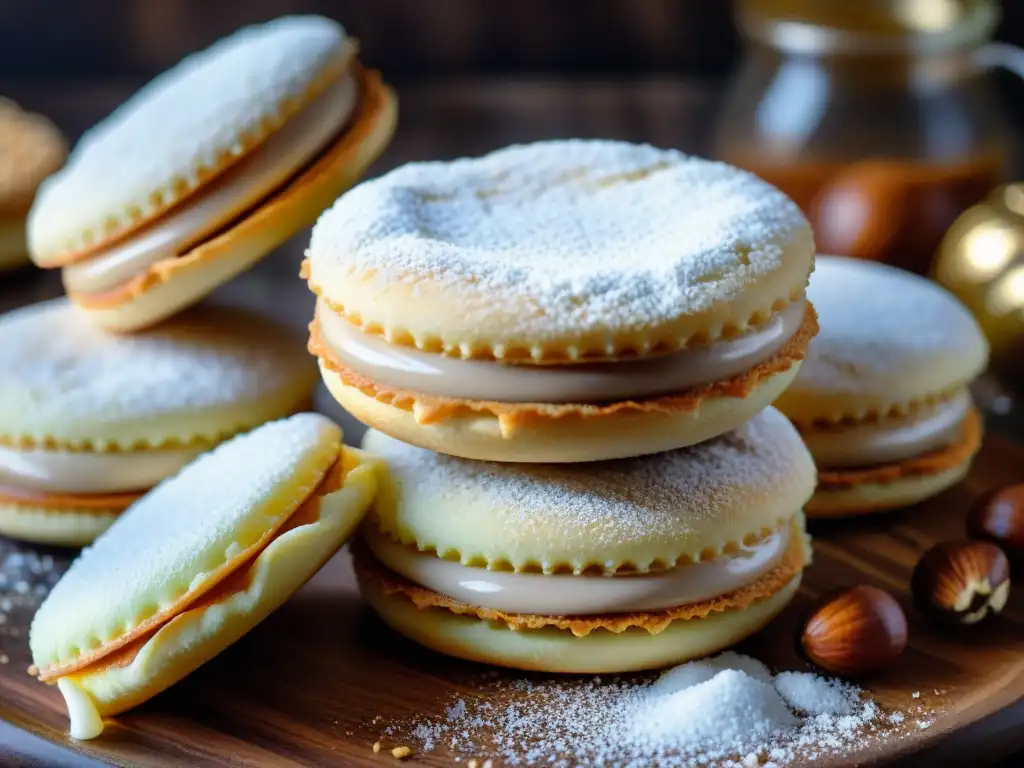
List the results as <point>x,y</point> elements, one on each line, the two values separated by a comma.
<point>877,117</point>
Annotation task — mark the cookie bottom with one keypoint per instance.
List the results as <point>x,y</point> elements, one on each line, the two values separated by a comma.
<point>842,493</point>
<point>55,527</point>
<point>620,434</point>
<point>868,498</point>
<point>560,651</point>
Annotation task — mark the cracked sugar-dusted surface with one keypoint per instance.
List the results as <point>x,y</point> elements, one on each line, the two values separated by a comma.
<point>563,238</point>
<point>206,373</point>
<point>173,540</point>
<point>182,125</point>
<point>653,509</point>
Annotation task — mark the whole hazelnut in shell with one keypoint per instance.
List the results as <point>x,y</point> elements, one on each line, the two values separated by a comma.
<point>854,632</point>
<point>961,582</point>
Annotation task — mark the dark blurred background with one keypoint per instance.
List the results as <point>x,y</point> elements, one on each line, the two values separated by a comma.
<point>407,38</point>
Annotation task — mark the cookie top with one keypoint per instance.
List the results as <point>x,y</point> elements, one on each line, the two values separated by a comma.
<point>181,130</point>
<point>196,379</point>
<point>560,250</point>
<point>642,514</point>
<point>182,538</point>
<point>31,148</point>
<point>888,342</point>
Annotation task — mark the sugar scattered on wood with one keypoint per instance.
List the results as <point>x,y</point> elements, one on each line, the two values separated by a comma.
<point>729,710</point>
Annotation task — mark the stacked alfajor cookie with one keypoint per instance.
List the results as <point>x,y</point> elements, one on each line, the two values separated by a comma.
<point>610,322</point>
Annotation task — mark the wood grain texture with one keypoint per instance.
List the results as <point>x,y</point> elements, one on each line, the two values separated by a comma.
<point>304,687</point>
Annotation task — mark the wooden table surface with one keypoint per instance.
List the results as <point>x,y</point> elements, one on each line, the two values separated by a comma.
<point>438,120</point>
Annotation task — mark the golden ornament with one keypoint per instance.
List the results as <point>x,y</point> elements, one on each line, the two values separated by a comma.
<point>981,260</point>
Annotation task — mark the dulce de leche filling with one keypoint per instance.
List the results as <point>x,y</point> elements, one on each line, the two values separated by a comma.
<point>890,440</point>
<point>580,595</point>
<point>268,168</point>
<point>74,472</point>
<point>410,369</point>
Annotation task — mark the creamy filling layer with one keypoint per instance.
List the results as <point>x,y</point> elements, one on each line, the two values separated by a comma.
<point>288,150</point>
<point>90,473</point>
<point>571,595</point>
<point>410,369</point>
<point>890,440</point>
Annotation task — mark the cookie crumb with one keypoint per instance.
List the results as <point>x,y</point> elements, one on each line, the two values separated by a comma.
<point>4,658</point>
<point>474,763</point>
<point>401,752</point>
<point>33,670</point>
<point>376,747</point>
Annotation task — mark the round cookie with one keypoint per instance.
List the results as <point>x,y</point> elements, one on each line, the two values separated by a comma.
<point>623,565</point>
<point>31,148</point>
<point>563,301</point>
<point>882,399</point>
<point>159,594</point>
<point>208,168</point>
<point>89,421</point>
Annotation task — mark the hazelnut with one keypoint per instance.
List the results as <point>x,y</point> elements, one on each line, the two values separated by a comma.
<point>855,631</point>
<point>998,516</point>
<point>961,582</point>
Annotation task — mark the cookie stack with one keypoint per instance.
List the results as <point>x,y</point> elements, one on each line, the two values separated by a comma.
<point>567,352</point>
<point>197,176</point>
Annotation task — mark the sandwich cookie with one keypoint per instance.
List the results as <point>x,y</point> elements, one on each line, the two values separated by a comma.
<point>623,565</point>
<point>882,399</point>
<point>89,421</point>
<point>208,168</point>
<point>31,148</point>
<point>560,302</point>
<point>196,564</point>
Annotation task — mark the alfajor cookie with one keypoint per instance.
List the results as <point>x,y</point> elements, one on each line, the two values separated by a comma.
<point>606,567</point>
<point>208,168</point>
<point>882,399</point>
<point>31,148</point>
<point>90,421</point>
<point>196,564</point>
<point>560,302</point>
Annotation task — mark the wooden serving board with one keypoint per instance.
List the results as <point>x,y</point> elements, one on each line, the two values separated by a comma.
<point>317,683</point>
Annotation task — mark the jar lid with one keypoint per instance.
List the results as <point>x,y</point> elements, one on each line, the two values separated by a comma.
<point>868,26</point>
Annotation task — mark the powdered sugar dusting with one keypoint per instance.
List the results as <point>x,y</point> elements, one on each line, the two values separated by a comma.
<point>63,378</point>
<point>668,499</point>
<point>879,324</point>
<point>578,235</point>
<point>179,125</point>
<point>709,712</point>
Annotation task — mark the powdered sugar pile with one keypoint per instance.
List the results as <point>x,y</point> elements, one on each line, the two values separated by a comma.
<point>729,710</point>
